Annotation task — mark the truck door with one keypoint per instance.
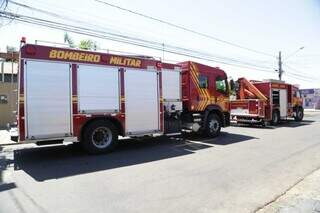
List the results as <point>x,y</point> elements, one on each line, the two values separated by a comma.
<point>98,89</point>
<point>283,96</point>
<point>48,100</point>
<point>221,91</point>
<point>142,101</point>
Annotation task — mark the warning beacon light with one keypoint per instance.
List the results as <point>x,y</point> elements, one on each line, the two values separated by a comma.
<point>23,40</point>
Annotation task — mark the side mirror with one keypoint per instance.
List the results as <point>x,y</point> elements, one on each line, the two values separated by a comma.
<point>232,85</point>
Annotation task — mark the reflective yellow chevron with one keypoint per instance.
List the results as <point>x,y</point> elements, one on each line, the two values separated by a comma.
<point>195,80</point>
<point>203,92</point>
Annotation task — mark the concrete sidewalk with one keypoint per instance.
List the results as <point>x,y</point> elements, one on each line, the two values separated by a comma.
<point>311,111</point>
<point>4,136</point>
<point>304,197</point>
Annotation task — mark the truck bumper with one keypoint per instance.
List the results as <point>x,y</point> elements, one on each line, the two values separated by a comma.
<point>13,132</point>
<point>226,119</point>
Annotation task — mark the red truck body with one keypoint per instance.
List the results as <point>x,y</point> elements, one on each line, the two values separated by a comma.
<point>64,94</point>
<point>198,97</point>
<point>281,101</point>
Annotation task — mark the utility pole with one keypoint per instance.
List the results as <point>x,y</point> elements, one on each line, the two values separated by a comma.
<point>280,71</point>
<point>280,66</point>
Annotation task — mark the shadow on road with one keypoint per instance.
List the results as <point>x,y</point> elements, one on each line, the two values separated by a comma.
<point>43,163</point>
<point>224,139</point>
<point>284,123</point>
<point>4,163</point>
<point>294,124</point>
<point>7,186</point>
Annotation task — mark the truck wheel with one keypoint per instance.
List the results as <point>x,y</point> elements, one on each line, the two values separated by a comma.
<point>275,117</point>
<point>299,114</point>
<point>100,137</point>
<point>213,125</point>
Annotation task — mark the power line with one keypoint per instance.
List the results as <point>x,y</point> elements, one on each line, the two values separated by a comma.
<point>296,77</point>
<point>85,17</point>
<point>184,28</point>
<point>174,50</point>
<point>90,26</point>
<point>107,50</point>
<point>297,73</point>
<point>85,31</point>
<point>4,9</point>
<point>86,24</point>
<point>123,39</point>
<point>231,60</point>
<point>4,2</point>
<point>307,55</point>
<point>133,41</point>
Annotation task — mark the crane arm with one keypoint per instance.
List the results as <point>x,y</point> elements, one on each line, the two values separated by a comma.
<point>248,90</point>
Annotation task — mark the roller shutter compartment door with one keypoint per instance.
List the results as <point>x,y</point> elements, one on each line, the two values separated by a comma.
<point>141,101</point>
<point>48,102</point>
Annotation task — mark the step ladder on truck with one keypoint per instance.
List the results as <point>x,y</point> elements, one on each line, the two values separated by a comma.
<point>93,97</point>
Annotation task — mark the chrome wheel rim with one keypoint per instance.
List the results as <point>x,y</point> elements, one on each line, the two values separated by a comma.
<point>101,137</point>
<point>213,125</point>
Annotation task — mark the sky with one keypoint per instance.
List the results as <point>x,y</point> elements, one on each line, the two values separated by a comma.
<point>267,26</point>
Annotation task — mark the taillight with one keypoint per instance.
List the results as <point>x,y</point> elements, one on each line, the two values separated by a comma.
<point>23,40</point>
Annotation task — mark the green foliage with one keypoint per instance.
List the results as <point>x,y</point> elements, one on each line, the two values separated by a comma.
<point>88,45</point>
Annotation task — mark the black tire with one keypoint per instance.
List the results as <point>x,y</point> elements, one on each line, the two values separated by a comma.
<point>275,117</point>
<point>213,125</point>
<point>100,137</point>
<point>299,114</point>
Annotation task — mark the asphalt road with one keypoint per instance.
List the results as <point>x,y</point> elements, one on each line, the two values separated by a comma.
<point>240,171</point>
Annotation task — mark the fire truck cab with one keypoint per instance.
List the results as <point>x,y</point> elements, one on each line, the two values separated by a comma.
<point>90,97</point>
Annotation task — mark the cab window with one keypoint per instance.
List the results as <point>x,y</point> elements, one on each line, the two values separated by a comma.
<point>221,84</point>
<point>296,94</point>
<point>203,82</point>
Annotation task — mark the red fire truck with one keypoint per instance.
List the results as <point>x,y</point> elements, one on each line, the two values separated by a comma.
<point>266,101</point>
<point>92,98</point>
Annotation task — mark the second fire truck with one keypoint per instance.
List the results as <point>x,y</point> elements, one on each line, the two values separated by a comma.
<point>267,101</point>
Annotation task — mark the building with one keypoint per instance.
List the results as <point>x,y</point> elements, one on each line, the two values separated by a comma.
<point>8,88</point>
<point>311,98</point>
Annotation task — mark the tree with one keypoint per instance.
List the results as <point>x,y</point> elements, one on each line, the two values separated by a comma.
<point>86,44</point>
